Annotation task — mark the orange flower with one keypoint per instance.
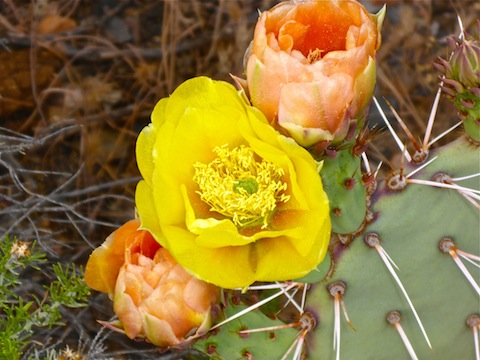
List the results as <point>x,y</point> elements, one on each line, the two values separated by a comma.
<point>154,297</point>
<point>312,66</point>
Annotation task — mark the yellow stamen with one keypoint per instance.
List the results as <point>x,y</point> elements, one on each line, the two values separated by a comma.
<point>239,187</point>
<point>314,55</point>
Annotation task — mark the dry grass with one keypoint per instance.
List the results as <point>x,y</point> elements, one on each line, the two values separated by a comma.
<point>75,94</point>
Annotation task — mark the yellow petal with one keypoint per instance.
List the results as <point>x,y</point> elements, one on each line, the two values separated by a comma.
<point>226,267</point>
<point>199,117</point>
<point>274,254</point>
<point>201,93</point>
<point>174,166</point>
<point>158,114</point>
<point>147,212</point>
<point>144,149</point>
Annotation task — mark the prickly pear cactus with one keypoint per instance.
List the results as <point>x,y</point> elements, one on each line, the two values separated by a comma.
<point>409,225</point>
<point>402,276</point>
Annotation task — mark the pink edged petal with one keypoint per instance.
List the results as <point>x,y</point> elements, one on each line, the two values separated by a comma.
<point>165,303</point>
<point>128,314</point>
<point>159,332</point>
<point>178,274</point>
<point>315,106</point>
<point>364,87</point>
<point>206,323</point>
<point>104,264</point>
<point>306,136</point>
<point>260,94</point>
<point>291,32</point>
<point>200,296</point>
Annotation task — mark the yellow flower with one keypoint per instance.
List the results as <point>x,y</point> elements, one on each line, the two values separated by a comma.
<point>232,200</point>
<point>311,67</point>
<point>154,297</point>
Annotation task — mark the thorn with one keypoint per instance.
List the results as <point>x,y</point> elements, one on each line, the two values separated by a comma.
<point>402,160</point>
<point>307,322</point>
<point>337,290</point>
<point>284,357</point>
<point>277,285</point>
<point>443,180</point>
<point>304,296</point>
<point>373,240</point>
<point>473,321</point>
<point>465,177</point>
<point>462,30</point>
<point>394,134</point>
<point>394,318</point>
<point>468,258</point>
<point>292,300</point>
<point>447,245</point>
<point>366,163</point>
<point>431,118</point>
<point>421,167</point>
<point>289,300</point>
<point>336,327</point>
<point>298,350</point>
<point>269,328</point>
<point>403,125</point>
<point>378,169</point>
<point>253,307</point>
<point>468,255</point>
<point>444,133</point>
<point>299,347</point>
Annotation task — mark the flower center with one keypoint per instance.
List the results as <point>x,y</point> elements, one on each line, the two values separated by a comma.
<point>314,55</point>
<point>238,186</point>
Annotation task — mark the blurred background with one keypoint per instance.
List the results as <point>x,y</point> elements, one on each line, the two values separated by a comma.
<point>79,79</point>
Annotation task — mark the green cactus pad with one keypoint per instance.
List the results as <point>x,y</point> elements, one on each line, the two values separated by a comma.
<point>342,179</point>
<point>227,343</point>
<point>411,223</point>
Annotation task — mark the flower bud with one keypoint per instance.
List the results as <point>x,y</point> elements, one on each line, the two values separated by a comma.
<point>461,80</point>
<point>311,67</point>
<point>154,297</point>
<point>465,63</point>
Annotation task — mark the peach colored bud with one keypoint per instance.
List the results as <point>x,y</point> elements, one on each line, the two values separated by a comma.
<point>311,66</point>
<point>154,297</point>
